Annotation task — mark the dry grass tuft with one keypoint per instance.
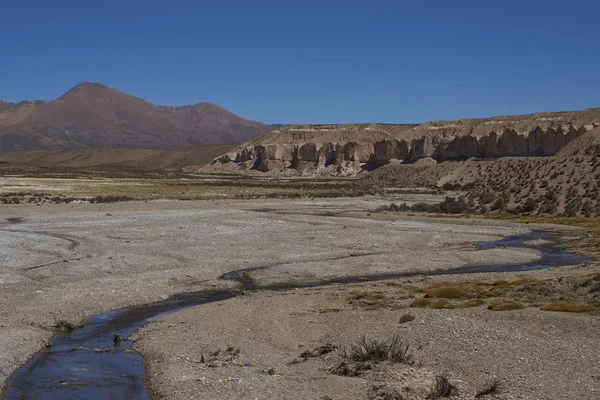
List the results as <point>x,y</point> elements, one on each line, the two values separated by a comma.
<point>470,303</point>
<point>440,304</point>
<point>505,305</point>
<point>404,318</point>
<point>564,306</point>
<point>442,388</point>
<point>366,353</point>
<point>446,292</point>
<point>420,303</point>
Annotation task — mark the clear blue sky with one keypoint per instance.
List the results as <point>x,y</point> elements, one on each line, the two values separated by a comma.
<point>311,61</point>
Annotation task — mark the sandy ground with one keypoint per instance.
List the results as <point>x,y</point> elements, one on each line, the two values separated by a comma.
<point>70,261</point>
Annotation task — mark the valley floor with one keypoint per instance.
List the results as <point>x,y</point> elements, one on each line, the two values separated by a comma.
<point>68,261</point>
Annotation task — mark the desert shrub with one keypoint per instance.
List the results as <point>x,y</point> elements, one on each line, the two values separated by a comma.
<point>110,199</point>
<point>367,352</point>
<point>423,207</point>
<point>587,208</point>
<point>452,186</point>
<point>530,205</point>
<point>442,388</point>
<point>395,208</point>
<point>452,206</point>
<point>64,325</point>
<point>498,204</point>
<point>486,197</point>
<point>404,318</point>
<point>324,348</point>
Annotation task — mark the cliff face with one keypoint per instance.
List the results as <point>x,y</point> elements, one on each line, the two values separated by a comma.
<point>363,146</point>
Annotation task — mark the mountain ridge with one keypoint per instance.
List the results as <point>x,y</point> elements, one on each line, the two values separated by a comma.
<point>92,115</point>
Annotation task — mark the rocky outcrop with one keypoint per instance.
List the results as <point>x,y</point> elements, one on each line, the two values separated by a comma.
<point>351,157</point>
<point>351,148</point>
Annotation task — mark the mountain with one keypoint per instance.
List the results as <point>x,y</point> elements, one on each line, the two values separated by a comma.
<point>92,115</point>
<point>350,148</point>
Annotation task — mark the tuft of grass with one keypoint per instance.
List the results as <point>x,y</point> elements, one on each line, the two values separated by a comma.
<point>442,388</point>
<point>565,306</point>
<point>363,294</point>
<point>324,348</point>
<point>65,326</point>
<point>452,290</point>
<point>505,305</point>
<point>367,352</point>
<point>470,303</point>
<point>328,310</point>
<point>440,304</point>
<point>404,318</point>
<point>420,303</point>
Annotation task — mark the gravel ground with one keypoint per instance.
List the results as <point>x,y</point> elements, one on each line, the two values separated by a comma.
<point>534,354</point>
<point>70,261</point>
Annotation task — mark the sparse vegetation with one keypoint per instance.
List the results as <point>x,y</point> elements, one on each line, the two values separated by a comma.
<point>505,305</point>
<point>442,388</point>
<point>368,352</point>
<point>404,318</point>
<point>563,306</point>
<point>65,326</point>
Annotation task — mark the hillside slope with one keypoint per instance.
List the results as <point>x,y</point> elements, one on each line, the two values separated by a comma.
<point>91,115</point>
<point>185,158</point>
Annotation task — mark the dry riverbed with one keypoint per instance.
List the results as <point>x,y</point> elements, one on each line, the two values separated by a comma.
<point>65,262</point>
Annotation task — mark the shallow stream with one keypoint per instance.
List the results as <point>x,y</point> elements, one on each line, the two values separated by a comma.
<point>88,364</point>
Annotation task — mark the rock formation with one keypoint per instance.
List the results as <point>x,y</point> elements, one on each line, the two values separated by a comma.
<point>348,149</point>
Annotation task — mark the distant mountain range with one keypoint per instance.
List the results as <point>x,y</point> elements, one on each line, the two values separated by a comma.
<point>92,115</point>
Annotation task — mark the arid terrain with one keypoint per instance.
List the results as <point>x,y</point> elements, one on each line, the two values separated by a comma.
<point>64,262</point>
<point>294,231</point>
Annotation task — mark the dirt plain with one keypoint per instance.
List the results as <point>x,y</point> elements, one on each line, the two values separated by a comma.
<point>68,261</point>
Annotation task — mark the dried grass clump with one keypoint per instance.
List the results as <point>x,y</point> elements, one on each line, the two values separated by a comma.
<point>404,318</point>
<point>440,304</point>
<point>420,303</point>
<point>367,352</point>
<point>470,303</point>
<point>505,305</point>
<point>453,290</point>
<point>442,388</point>
<point>565,306</point>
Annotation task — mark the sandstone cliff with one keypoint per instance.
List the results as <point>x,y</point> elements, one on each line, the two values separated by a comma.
<point>348,149</point>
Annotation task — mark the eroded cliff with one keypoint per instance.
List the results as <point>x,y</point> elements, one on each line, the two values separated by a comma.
<point>351,148</point>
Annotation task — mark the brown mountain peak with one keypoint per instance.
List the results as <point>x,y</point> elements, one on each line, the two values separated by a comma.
<point>94,115</point>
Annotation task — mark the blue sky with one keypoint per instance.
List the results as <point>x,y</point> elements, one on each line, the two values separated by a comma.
<point>311,61</point>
